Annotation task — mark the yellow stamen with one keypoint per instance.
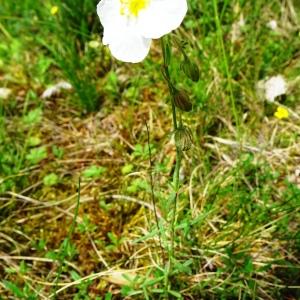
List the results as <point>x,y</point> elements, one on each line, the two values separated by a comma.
<point>133,7</point>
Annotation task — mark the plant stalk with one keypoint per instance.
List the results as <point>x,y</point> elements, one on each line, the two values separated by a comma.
<point>176,181</point>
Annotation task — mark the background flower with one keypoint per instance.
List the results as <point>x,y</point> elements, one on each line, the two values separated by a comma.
<point>274,87</point>
<point>281,113</point>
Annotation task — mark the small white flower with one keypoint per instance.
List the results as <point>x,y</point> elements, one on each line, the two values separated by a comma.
<point>5,93</point>
<point>272,25</point>
<point>55,89</point>
<point>274,87</point>
<point>130,25</point>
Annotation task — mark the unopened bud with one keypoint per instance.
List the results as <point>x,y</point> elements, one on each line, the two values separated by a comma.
<point>183,138</point>
<point>166,51</point>
<point>191,70</point>
<point>182,100</point>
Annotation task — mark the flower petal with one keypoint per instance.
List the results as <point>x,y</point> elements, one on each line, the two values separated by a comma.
<point>274,87</point>
<point>161,17</point>
<point>108,12</point>
<point>120,33</point>
<point>126,44</point>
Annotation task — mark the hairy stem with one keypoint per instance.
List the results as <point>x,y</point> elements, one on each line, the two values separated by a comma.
<point>176,181</point>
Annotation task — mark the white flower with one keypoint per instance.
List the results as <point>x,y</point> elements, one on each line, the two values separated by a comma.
<point>55,89</point>
<point>272,25</point>
<point>5,93</point>
<point>130,25</point>
<point>275,86</point>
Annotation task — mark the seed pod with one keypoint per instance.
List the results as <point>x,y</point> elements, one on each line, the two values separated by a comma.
<point>183,138</point>
<point>190,69</point>
<point>182,100</point>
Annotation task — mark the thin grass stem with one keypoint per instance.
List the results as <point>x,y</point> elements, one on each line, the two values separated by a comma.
<point>226,65</point>
<point>63,253</point>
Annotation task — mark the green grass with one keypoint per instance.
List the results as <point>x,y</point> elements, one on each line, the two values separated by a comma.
<point>236,228</point>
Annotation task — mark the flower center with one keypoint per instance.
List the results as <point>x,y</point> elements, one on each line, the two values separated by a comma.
<point>133,7</point>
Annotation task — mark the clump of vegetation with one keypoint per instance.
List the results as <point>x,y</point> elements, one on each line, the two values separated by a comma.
<point>86,172</point>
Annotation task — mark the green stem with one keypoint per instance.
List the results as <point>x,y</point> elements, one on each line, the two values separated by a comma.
<point>166,74</point>
<point>176,182</point>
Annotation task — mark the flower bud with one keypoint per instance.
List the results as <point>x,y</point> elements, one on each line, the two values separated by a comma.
<point>182,100</point>
<point>166,52</point>
<point>190,69</point>
<point>183,138</point>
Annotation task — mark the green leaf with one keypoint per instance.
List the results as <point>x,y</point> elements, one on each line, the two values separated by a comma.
<point>67,249</point>
<point>127,169</point>
<point>40,245</point>
<point>23,267</point>
<point>43,65</point>
<point>113,238</point>
<point>175,294</point>
<point>86,225</point>
<point>57,151</point>
<point>138,185</point>
<point>51,254</point>
<point>158,291</point>
<point>51,179</point>
<point>13,288</point>
<point>183,267</point>
<point>33,117</point>
<point>126,290</point>
<point>75,275</point>
<point>108,296</point>
<point>93,172</point>
<point>248,268</point>
<point>36,155</point>
<point>10,270</point>
<point>143,151</point>
<point>34,141</point>
<point>138,150</point>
